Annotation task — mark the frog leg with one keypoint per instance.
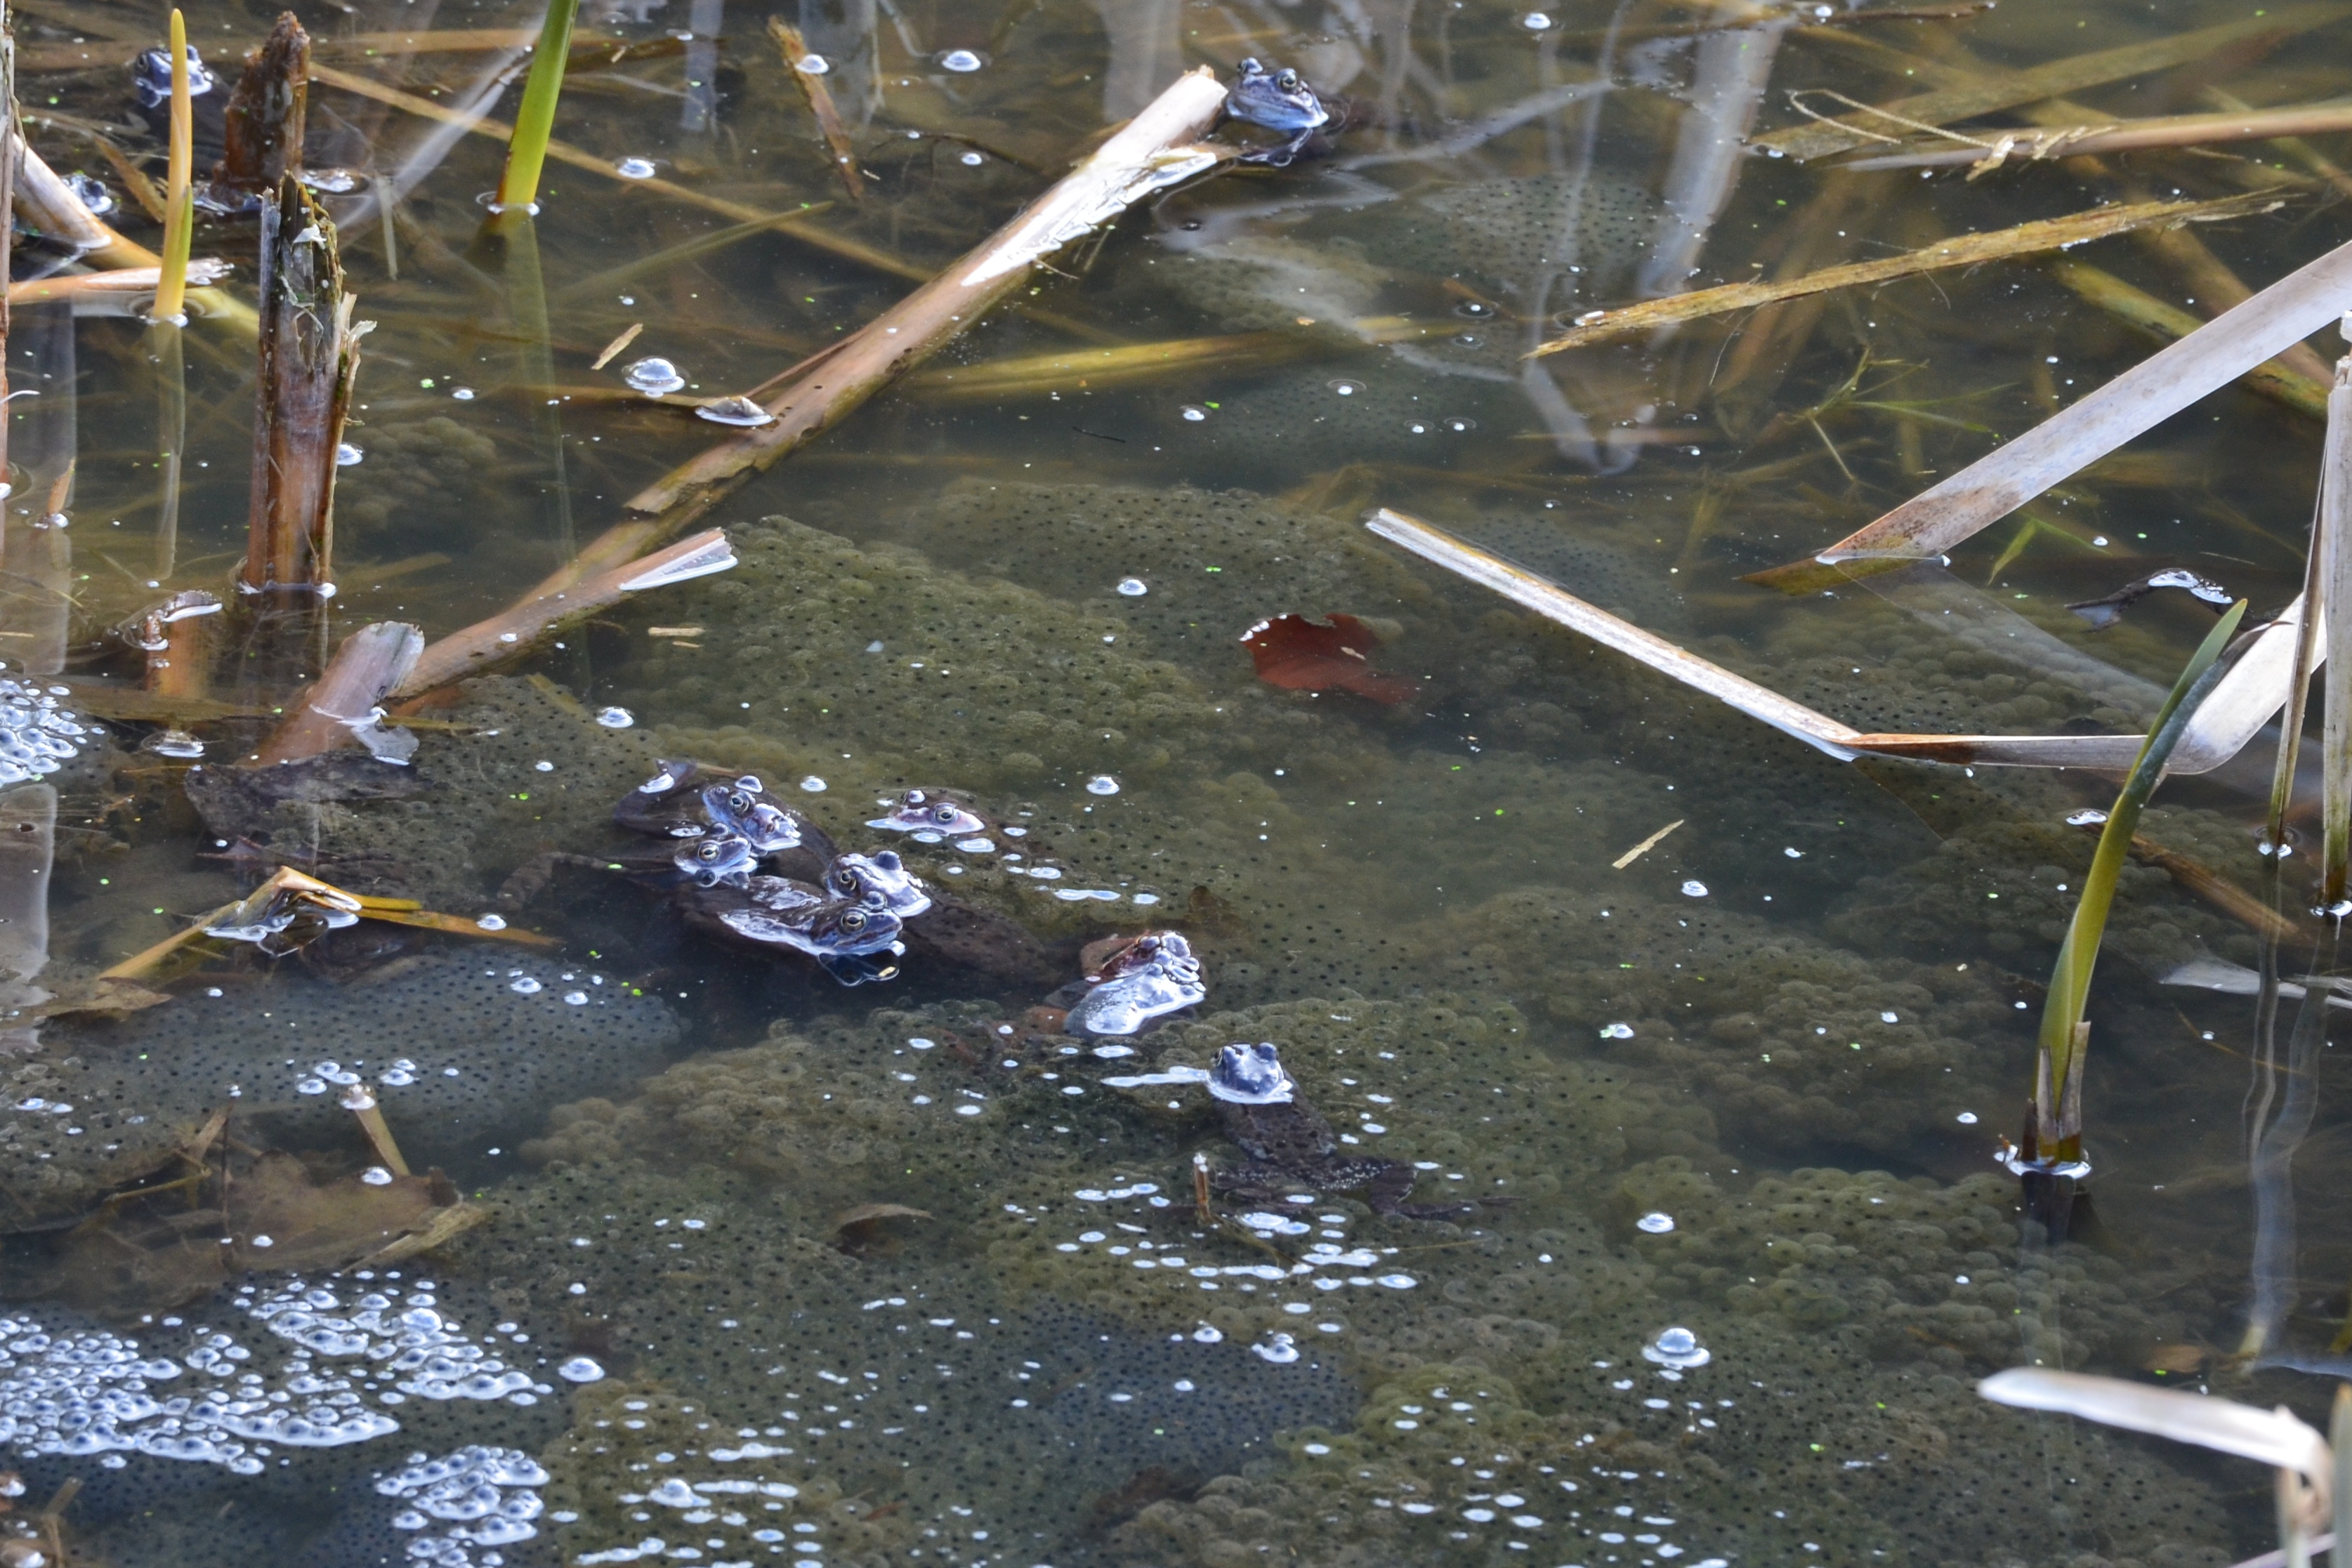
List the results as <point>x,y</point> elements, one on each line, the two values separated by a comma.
<point>1280,157</point>
<point>1267,1183</point>
<point>854,969</point>
<point>1386,1193</point>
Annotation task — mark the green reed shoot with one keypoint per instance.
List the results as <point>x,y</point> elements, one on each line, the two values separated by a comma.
<point>527,152</point>
<point>2057,1128</point>
<point>179,201</point>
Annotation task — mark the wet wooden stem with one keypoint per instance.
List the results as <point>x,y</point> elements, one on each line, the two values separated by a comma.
<point>265,114</point>
<point>371,663</point>
<point>308,358</point>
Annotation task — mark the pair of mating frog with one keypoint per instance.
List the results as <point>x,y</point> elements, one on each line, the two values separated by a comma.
<point>744,865</point>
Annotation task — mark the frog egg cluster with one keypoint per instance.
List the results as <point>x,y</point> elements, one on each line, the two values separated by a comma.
<point>37,736</point>
<point>475,1497</point>
<point>420,470</point>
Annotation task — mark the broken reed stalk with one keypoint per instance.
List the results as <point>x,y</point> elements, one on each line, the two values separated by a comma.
<point>130,292</point>
<point>8,145</point>
<point>46,206</point>
<point>360,1102</point>
<point>819,95</point>
<point>371,663</point>
<point>2272,379</point>
<point>535,119</point>
<point>1153,151</point>
<point>2334,544</point>
<point>512,633</point>
<point>1934,522</point>
<point>2006,90</point>
<point>2053,1134</point>
<point>179,192</point>
<point>1964,250</point>
<point>310,356</point>
<point>1989,150</point>
<point>264,121</point>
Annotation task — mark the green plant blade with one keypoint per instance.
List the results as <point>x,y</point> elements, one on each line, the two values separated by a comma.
<point>535,121</point>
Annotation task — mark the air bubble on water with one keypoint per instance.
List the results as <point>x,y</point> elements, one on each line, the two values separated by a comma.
<point>1278,1348</point>
<point>463,394</point>
<point>1966,1118</point>
<point>812,64</point>
<point>264,1241</point>
<point>653,377</point>
<point>1656,1222</point>
<point>579,1369</point>
<point>1677,1347</point>
<point>2089,817</point>
<point>1208,1333</point>
<point>812,784</point>
<point>1195,412</point>
<point>1793,852</point>
<point>1460,426</point>
<point>349,457</point>
<point>1416,427</point>
<point>1535,21</point>
<point>376,1175</point>
<point>576,999</point>
<point>1617,1032</point>
<point>492,923</point>
<point>963,62</point>
<point>973,159</point>
<point>1345,387</point>
<point>1133,587</point>
<point>1102,784</point>
<point>616,718</point>
<point>1694,888</point>
<point>525,987</point>
<point>635,168</point>
<point>174,743</point>
<point>310,1086</point>
<point>1477,309</point>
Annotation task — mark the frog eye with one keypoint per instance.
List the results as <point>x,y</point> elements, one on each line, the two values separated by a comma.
<point>1287,81</point>
<point>708,850</point>
<point>852,921</point>
<point>738,803</point>
<point>943,814</point>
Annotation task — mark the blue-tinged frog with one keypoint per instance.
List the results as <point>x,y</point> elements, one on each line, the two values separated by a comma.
<point>853,941</point>
<point>151,77</point>
<point>1276,100</point>
<point>933,816</point>
<point>685,801</point>
<point>1293,1152</point>
<point>1133,988</point>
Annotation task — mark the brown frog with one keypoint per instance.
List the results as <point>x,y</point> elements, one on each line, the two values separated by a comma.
<point>1292,1149</point>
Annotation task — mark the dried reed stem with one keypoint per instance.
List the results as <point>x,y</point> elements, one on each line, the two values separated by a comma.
<point>371,663</point>
<point>265,114</point>
<point>308,358</point>
<point>820,105</point>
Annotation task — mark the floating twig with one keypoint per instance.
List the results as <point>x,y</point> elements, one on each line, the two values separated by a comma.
<point>1964,250</point>
<point>1998,149</point>
<point>310,356</point>
<point>1937,520</point>
<point>1073,369</point>
<point>342,708</point>
<point>2246,697</point>
<point>513,633</point>
<point>819,101</point>
<point>1155,151</point>
<point>2006,90</point>
<point>612,350</point>
<point>1646,846</point>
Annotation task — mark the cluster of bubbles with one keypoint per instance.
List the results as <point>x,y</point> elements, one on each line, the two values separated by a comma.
<point>37,737</point>
<point>474,1497</point>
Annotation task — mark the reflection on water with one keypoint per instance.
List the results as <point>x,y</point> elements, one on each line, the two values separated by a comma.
<point>1687,1043</point>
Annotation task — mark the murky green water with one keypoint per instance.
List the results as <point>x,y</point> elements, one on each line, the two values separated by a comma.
<point>1747,1084</point>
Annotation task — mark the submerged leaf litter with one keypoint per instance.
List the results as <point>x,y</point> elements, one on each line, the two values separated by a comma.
<point>944,1269</point>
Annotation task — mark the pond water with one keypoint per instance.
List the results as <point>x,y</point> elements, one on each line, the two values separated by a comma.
<point>1705,1246</point>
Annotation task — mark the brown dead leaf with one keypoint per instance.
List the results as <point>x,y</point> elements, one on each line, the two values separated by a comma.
<point>859,1229</point>
<point>2175,1358</point>
<point>105,997</point>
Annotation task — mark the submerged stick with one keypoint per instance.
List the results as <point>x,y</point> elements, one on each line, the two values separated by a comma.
<point>310,356</point>
<point>2333,543</point>
<point>513,633</point>
<point>2135,306</point>
<point>179,192</point>
<point>1155,151</point>
<point>265,114</point>
<point>344,701</point>
<point>829,122</point>
<point>2006,90</point>
<point>1070,369</point>
<point>1990,150</point>
<point>1934,521</point>
<point>1964,250</point>
<point>535,119</point>
<point>2246,697</point>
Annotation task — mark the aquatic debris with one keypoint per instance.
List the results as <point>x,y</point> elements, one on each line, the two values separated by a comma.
<point>262,127</point>
<point>1678,1348</point>
<point>1644,847</point>
<point>2103,612</point>
<point>612,350</point>
<point>859,1229</point>
<point>738,411</point>
<point>1299,654</point>
<point>1986,150</point>
<point>809,70</point>
<point>2253,689</point>
<point>652,376</point>
<point>1962,250</point>
<point>2276,1438</point>
<point>341,707</point>
<point>308,361</point>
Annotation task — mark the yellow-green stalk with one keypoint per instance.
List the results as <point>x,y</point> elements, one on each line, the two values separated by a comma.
<point>179,200</point>
<point>526,152</point>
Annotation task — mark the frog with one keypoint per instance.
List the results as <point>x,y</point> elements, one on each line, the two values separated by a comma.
<point>685,801</point>
<point>933,816</point>
<point>852,939</point>
<point>1291,1149</point>
<point>1276,100</point>
<point>151,77</point>
<point>1132,987</point>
